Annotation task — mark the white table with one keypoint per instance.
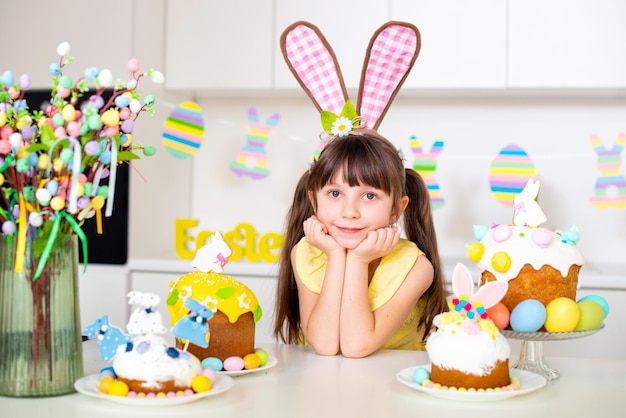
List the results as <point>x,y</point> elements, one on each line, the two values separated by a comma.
<point>304,384</point>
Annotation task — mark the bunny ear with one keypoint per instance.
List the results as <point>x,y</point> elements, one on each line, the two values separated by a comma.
<point>462,283</point>
<point>390,56</point>
<point>491,293</point>
<point>314,64</point>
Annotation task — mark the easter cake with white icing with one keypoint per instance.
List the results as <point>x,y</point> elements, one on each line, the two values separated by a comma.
<point>144,363</point>
<point>466,349</point>
<point>536,262</point>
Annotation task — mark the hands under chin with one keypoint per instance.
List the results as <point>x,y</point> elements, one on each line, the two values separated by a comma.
<point>317,235</point>
<point>378,243</point>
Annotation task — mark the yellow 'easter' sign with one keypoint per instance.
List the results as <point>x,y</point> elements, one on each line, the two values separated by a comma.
<point>244,240</point>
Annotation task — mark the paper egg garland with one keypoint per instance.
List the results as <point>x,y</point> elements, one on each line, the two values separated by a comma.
<point>509,172</point>
<point>425,163</point>
<point>610,188</point>
<point>183,130</point>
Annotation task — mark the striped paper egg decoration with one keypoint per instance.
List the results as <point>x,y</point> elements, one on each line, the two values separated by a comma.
<point>509,172</point>
<point>183,130</point>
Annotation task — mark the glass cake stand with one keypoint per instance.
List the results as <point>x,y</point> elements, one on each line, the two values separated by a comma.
<point>531,357</point>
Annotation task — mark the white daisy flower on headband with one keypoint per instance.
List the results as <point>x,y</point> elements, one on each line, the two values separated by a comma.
<point>341,126</point>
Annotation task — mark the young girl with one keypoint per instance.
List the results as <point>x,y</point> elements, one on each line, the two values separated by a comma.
<point>347,282</point>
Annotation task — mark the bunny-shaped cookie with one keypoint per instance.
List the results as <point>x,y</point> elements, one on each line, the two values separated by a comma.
<point>527,210</point>
<point>390,56</point>
<point>470,303</point>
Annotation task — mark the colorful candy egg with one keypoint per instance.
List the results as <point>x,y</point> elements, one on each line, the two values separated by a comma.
<point>233,363</point>
<point>599,300</point>
<point>528,316</point>
<point>509,172</point>
<point>591,315</point>
<point>183,130</point>
<point>562,315</point>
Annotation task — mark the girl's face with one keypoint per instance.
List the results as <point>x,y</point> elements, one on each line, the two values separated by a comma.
<point>349,213</point>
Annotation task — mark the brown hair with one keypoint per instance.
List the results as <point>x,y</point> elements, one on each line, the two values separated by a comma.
<point>365,158</point>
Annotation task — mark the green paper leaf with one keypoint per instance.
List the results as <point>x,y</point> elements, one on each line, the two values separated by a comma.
<point>349,111</point>
<point>327,119</point>
<point>47,135</point>
<point>127,155</point>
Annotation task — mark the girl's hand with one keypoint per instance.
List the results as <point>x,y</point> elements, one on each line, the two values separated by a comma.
<point>317,235</point>
<point>378,243</point>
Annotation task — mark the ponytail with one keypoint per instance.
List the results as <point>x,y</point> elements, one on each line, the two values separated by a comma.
<point>287,309</point>
<point>419,227</point>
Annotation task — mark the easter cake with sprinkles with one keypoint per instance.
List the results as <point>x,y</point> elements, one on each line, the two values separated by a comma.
<point>227,307</point>
<point>536,262</point>
<point>466,349</point>
<point>144,363</point>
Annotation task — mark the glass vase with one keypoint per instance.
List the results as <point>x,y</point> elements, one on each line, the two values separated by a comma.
<point>40,337</point>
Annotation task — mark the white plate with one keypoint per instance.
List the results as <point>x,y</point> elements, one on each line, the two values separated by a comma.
<point>88,385</point>
<point>271,362</point>
<point>529,382</point>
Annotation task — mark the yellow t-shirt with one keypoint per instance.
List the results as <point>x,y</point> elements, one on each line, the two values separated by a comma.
<point>390,274</point>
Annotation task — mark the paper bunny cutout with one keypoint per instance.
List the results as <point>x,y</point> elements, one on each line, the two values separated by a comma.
<point>212,256</point>
<point>527,211</point>
<point>109,337</point>
<point>252,159</point>
<point>194,327</point>
<point>390,56</point>
<point>610,188</point>
<point>474,303</point>
<point>144,319</point>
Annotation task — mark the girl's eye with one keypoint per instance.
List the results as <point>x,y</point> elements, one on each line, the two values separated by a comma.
<point>370,196</point>
<point>334,193</point>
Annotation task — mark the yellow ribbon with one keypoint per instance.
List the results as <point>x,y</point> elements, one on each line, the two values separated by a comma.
<point>21,236</point>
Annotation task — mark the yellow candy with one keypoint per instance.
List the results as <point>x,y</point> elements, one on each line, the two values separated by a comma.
<point>57,203</point>
<point>111,117</point>
<point>68,113</point>
<point>1,179</point>
<point>23,121</point>
<point>161,395</point>
<point>57,164</point>
<point>129,140</point>
<point>3,119</point>
<point>80,189</point>
<point>43,161</point>
<point>251,361</point>
<point>475,251</point>
<point>97,202</point>
<point>201,384</point>
<point>22,153</point>
<point>105,383</point>
<point>118,388</point>
<point>501,262</point>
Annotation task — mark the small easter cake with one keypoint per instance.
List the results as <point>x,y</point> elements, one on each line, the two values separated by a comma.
<point>537,263</point>
<point>229,309</point>
<point>144,363</point>
<point>466,349</point>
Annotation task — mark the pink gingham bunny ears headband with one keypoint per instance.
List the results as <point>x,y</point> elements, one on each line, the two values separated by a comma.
<point>390,56</point>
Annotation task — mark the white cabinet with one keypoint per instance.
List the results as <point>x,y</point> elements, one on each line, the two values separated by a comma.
<point>213,44</point>
<point>567,44</point>
<point>347,25</point>
<point>463,42</point>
